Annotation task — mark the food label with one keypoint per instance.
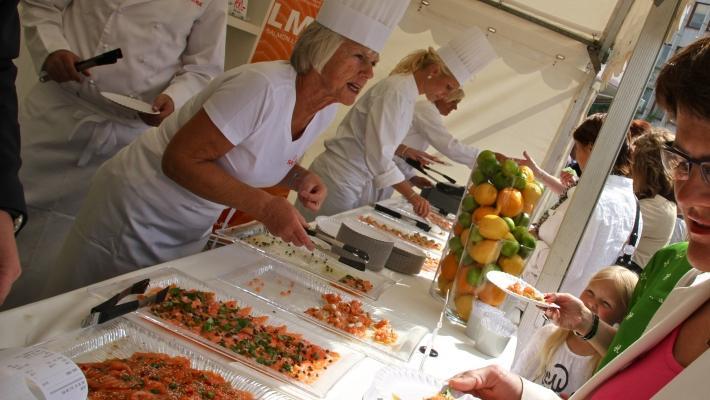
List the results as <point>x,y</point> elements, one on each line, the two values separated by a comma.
<point>53,375</point>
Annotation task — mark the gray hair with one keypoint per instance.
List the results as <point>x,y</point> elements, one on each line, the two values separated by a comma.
<point>314,48</point>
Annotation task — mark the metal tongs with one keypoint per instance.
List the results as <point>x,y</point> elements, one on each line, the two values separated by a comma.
<point>109,57</point>
<point>395,214</point>
<point>421,168</point>
<point>362,258</point>
<point>110,308</point>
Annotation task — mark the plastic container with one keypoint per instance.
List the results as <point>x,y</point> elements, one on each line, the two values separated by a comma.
<point>491,233</point>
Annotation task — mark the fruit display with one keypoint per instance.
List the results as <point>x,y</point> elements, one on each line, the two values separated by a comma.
<point>490,234</point>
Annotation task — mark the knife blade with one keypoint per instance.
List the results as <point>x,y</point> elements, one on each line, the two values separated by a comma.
<point>109,57</point>
<point>392,213</point>
<point>362,255</point>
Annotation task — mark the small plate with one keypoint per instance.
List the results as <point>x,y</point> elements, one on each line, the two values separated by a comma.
<point>130,103</point>
<point>504,280</point>
<point>406,384</point>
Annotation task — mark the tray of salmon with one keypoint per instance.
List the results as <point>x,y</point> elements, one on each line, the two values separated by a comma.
<point>362,283</point>
<point>381,333</point>
<point>123,359</point>
<point>246,329</point>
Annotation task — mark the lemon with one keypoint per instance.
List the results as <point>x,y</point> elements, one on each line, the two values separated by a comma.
<point>485,194</point>
<point>483,211</point>
<point>513,265</point>
<point>493,227</point>
<point>532,193</point>
<point>464,305</point>
<point>527,173</point>
<point>485,251</point>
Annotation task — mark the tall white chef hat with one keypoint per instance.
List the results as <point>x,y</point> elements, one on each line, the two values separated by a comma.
<point>368,22</point>
<point>467,53</point>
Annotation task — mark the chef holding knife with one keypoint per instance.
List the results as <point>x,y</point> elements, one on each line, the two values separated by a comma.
<point>157,199</point>
<point>171,50</point>
<point>357,164</point>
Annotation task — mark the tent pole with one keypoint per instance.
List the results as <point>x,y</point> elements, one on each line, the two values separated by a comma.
<point>603,156</point>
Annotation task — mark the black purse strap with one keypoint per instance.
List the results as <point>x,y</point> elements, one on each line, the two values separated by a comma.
<point>631,243</point>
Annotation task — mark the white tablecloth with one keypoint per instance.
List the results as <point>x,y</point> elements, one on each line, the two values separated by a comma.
<point>410,299</point>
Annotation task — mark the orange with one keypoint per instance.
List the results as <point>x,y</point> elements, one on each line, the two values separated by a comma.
<point>463,305</point>
<point>492,227</point>
<point>513,265</point>
<point>458,228</point>
<point>510,202</point>
<point>490,294</point>
<point>485,194</point>
<point>482,211</point>
<point>464,236</point>
<point>528,207</point>
<point>449,265</point>
<point>484,252</point>
<point>462,285</point>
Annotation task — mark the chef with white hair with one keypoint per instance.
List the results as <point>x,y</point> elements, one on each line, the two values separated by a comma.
<point>158,198</point>
<point>357,164</point>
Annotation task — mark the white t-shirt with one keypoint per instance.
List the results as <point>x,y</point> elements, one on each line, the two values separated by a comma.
<point>428,129</point>
<point>564,374</point>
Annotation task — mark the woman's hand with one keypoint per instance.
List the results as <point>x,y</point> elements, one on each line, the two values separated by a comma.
<point>528,161</point>
<point>492,382</point>
<point>163,104</point>
<point>311,191</point>
<point>421,205</point>
<point>283,220</point>
<point>420,182</point>
<point>572,314</point>
<point>422,157</point>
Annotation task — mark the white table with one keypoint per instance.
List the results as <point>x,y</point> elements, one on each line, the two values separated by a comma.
<point>410,299</point>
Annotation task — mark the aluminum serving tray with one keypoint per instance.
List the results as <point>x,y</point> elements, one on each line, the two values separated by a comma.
<point>122,337</point>
<point>294,291</point>
<point>277,317</point>
<point>316,262</point>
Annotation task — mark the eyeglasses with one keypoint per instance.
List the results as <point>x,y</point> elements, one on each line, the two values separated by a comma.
<point>678,164</point>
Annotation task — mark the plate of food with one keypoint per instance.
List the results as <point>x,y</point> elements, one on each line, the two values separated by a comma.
<point>130,103</point>
<point>396,383</point>
<point>518,288</point>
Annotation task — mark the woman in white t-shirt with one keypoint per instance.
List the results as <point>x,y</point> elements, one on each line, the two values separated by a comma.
<point>157,199</point>
<point>559,359</point>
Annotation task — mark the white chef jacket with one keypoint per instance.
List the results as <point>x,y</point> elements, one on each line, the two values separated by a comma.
<point>428,129</point>
<point>357,163</point>
<point>135,216</point>
<point>169,46</point>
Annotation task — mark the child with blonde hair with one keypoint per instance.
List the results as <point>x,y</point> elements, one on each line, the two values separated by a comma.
<point>561,360</point>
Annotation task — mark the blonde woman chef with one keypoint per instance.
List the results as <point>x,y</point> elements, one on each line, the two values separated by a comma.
<point>357,164</point>
<point>157,199</point>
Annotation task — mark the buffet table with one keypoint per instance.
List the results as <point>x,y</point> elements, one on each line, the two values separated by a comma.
<point>409,299</point>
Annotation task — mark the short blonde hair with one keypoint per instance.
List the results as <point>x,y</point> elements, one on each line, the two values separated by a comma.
<point>314,48</point>
<point>649,176</point>
<point>624,282</point>
<point>455,95</point>
<point>420,59</point>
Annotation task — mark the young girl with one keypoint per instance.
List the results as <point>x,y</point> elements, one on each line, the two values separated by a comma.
<point>560,360</point>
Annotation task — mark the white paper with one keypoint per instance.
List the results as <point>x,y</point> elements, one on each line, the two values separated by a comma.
<point>55,376</point>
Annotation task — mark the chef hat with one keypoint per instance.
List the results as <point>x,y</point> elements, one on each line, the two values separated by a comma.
<point>467,53</point>
<point>368,22</point>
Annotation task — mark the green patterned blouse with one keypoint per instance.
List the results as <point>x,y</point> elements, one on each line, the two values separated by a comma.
<point>660,276</point>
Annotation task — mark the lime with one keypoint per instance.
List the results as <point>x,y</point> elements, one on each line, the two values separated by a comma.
<point>474,235</point>
<point>473,276</point>
<point>528,240</point>
<point>477,176</point>
<point>502,181</point>
<point>468,203</point>
<point>489,167</point>
<point>466,260</point>
<point>519,232</point>
<point>510,248</point>
<point>455,244</point>
<point>519,181</point>
<point>510,222</point>
<point>465,219</point>
<point>524,252</point>
<point>510,168</point>
<point>488,268</point>
<point>523,219</point>
<point>485,155</point>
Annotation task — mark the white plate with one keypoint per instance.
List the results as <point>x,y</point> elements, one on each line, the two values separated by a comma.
<point>130,103</point>
<point>503,280</point>
<point>405,384</point>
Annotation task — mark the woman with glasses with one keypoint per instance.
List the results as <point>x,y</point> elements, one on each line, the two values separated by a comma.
<point>671,359</point>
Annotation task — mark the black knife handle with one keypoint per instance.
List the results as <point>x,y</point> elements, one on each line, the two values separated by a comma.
<point>358,252</point>
<point>117,311</point>
<point>388,211</point>
<point>352,263</point>
<point>423,226</point>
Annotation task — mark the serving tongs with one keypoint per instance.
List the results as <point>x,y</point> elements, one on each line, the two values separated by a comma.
<point>423,168</point>
<point>395,214</point>
<point>109,57</point>
<point>110,308</point>
<point>361,257</point>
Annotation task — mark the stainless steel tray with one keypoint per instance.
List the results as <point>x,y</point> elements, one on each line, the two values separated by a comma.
<point>256,237</point>
<point>276,316</point>
<point>292,290</point>
<point>122,337</point>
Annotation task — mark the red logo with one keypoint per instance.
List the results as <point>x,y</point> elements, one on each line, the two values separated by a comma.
<point>198,2</point>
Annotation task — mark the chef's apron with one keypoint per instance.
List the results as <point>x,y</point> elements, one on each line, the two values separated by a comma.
<point>68,130</point>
